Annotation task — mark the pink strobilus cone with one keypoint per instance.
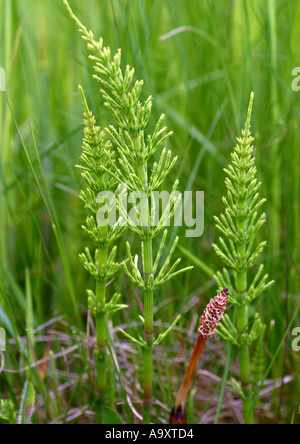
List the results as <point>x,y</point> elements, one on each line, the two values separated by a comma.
<point>207,325</point>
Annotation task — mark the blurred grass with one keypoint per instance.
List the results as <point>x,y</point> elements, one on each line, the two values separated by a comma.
<point>200,60</point>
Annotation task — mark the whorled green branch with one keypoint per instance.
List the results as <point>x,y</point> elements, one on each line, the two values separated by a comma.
<point>241,221</point>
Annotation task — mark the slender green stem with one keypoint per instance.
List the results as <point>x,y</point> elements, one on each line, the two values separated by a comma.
<point>275,158</point>
<point>55,384</point>
<point>242,311</point>
<point>148,335</point>
<point>148,302</point>
<point>242,327</point>
<point>101,347</point>
<point>5,123</point>
<point>148,384</point>
<point>105,376</point>
<point>244,358</point>
<point>148,305</point>
<point>101,381</point>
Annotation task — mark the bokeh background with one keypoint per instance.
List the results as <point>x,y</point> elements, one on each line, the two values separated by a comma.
<point>200,60</point>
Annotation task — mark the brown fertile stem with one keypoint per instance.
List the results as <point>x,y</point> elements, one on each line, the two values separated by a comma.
<point>183,391</point>
<point>208,323</point>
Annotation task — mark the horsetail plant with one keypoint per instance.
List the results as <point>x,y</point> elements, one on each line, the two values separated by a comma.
<point>102,266</point>
<point>135,149</point>
<point>207,326</point>
<point>239,225</point>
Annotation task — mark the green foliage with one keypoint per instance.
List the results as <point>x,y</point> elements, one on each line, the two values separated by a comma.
<point>198,76</point>
<point>110,416</point>
<point>122,98</point>
<point>237,249</point>
<point>165,273</point>
<point>95,152</point>
<point>240,223</point>
<point>102,267</point>
<point>229,332</point>
<point>135,149</point>
<point>7,414</point>
<point>259,359</point>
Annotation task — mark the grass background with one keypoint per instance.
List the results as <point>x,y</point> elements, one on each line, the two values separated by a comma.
<point>200,61</point>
